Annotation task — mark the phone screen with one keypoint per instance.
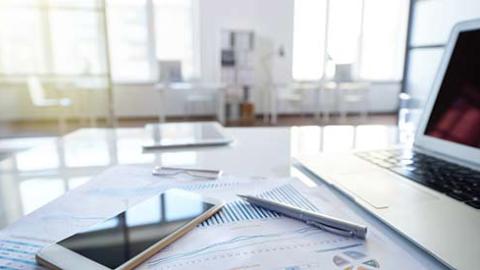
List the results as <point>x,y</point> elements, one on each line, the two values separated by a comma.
<point>119,239</point>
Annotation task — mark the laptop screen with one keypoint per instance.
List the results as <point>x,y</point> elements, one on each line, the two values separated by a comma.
<point>456,114</point>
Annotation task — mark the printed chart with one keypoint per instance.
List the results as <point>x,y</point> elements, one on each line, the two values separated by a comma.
<point>242,235</point>
<point>239,210</point>
<point>354,260</point>
<point>265,247</point>
<point>18,255</point>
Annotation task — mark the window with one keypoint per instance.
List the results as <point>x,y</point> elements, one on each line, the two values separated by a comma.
<point>77,41</point>
<point>384,38</point>
<point>129,39</point>
<point>344,27</point>
<point>67,37</point>
<point>140,35</point>
<point>309,39</point>
<point>18,54</point>
<point>370,34</point>
<point>174,31</point>
<point>61,37</point>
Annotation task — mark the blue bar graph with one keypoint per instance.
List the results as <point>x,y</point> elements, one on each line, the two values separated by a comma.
<point>210,186</point>
<point>239,210</point>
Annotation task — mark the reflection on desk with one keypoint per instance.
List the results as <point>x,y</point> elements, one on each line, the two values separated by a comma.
<point>32,178</point>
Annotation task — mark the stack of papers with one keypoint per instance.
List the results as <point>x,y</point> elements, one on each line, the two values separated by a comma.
<point>240,236</point>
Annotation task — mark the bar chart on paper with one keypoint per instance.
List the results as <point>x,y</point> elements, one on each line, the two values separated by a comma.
<point>18,254</point>
<point>239,210</point>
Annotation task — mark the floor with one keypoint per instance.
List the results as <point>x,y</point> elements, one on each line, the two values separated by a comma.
<point>50,128</point>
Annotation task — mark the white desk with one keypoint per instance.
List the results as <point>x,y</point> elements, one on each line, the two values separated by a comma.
<point>84,91</point>
<point>324,92</point>
<point>32,178</point>
<point>342,92</point>
<point>296,86</point>
<point>219,88</point>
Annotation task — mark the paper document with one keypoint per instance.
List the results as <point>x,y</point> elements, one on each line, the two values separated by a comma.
<point>114,190</point>
<point>18,253</point>
<point>240,236</point>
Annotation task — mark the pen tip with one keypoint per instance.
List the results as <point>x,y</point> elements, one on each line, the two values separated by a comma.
<point>241,196</point>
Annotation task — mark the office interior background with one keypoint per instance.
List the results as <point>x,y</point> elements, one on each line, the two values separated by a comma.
<point>68,64</point>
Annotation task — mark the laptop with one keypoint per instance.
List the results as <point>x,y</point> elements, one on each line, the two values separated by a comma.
<point>429,193</point>
<point>185,135</point>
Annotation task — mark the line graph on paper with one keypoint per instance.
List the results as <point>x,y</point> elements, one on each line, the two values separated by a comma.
<point>239,210</point>
<point>301,240</point>
<point>241,233</point>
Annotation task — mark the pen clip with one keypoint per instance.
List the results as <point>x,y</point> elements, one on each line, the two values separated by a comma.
<point>331,229</point>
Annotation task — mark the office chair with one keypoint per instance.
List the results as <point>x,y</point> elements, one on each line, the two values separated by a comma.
<point>39,99</point>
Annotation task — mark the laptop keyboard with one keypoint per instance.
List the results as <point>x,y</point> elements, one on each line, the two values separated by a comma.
<point>460,183</point>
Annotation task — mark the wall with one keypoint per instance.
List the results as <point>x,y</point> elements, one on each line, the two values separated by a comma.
<point>269,19</point>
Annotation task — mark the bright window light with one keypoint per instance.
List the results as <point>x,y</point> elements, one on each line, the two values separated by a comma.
<point>18,54</point>
<point>369,34</point>
<point>68,37</point>
<point>77,42</point>
<point>174,33</point>
<point>344,25</point>
<point>129,37</point>
<point>384,37</point>
<point>309,39</point>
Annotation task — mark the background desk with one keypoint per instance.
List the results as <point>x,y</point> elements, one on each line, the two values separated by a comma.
<point>32,178</point>
<point>219,88</point>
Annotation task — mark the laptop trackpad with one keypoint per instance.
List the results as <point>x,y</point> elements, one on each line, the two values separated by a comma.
<point>381,189</point>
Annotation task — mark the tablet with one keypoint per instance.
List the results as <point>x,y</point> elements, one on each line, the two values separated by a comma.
<point>128,239</point>
<point>185,134</point>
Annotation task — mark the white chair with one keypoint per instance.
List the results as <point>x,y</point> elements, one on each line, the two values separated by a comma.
<point>39,99</point>
<point>294,94</point>
<point>350,92</point>
<point>202,101</point>
<point>171,73</point>
<point>201,98</point>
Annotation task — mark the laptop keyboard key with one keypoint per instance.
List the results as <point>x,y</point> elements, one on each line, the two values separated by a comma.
<point>410,174</point>
<point>458,195</point>
<point>460,183</point>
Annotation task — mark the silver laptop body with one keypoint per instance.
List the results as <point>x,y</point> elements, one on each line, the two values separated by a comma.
<point>449,136</point>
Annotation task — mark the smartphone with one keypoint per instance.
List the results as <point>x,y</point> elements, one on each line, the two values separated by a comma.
<point>128,239</point>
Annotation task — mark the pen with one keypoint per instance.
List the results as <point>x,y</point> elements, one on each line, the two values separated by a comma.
<point>324,222</point>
